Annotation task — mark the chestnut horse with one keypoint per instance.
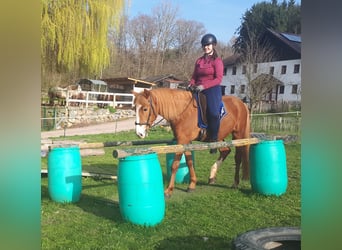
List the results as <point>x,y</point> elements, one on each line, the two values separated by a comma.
<point>179,108</point>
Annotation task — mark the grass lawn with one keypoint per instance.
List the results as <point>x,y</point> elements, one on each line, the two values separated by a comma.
<point>209,218</point>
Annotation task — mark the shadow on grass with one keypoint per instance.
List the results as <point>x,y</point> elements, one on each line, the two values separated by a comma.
<point>247,192</point>
<point>98,206</point>
<point>194,242</point>
<point>108,169</point>
<point>215,185</point>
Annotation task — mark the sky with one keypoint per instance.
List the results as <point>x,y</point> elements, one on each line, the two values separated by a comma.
<point>220,17</point>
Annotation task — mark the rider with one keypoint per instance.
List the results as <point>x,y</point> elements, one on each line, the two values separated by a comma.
<point>206,78</point>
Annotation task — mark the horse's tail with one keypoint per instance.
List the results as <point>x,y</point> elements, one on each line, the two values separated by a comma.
<point>245,153</point>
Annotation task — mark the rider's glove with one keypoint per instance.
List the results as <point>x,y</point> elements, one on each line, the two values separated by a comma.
<point>199,88</point>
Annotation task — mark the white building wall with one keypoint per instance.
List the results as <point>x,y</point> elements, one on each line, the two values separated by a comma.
<point>289,79</point>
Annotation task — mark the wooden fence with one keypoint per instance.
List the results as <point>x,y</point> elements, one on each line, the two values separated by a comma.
<point>100,98</point>
<point>283,123</point>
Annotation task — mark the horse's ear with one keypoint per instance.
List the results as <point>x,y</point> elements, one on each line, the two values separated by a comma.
<point>146,93</point>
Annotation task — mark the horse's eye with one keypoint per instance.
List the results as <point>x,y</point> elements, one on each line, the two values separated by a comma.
<point>144,109</point>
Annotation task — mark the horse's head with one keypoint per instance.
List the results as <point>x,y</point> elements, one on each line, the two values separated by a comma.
<point>145,113</point>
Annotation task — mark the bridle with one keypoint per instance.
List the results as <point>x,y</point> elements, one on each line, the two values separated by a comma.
<point>149,115</point>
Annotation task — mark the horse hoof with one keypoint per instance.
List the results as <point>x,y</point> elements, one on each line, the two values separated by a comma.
<point>167,196</point>
<point>190,190</point>
<point>211,181</point>
<point>234,186</point>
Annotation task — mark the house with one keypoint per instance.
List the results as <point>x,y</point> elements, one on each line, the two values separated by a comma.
<point>165,81</point>
<point>92,85</point>
<point>283,71</point>
<point>127,85</point>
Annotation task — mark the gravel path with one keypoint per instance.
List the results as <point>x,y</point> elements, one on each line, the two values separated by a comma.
<point>103,128</point>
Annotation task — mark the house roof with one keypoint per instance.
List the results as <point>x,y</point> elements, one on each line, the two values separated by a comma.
<point>159,78</point>
<point>97,82</point>
<point>268,78</point>
<point>129,81</point>
<point>231,60</point>
<point>291,40</point>
<point>287,45</point>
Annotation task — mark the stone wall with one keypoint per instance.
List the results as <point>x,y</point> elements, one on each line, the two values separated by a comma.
<point>78,116</point>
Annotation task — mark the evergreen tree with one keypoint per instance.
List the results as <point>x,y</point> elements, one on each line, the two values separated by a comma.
<point>284,17</point>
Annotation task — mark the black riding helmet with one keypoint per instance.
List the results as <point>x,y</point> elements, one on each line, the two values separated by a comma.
<point>208,39</point>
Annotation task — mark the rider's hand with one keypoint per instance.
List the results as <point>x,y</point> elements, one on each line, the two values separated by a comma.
<point>199,88</point>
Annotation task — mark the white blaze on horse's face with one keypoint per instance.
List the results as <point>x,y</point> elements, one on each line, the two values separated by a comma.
<point>140,130</point>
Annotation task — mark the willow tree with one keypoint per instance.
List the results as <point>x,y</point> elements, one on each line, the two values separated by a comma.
<point>75,35</point>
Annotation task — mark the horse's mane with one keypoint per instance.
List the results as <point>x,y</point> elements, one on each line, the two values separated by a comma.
<point>172,102</point>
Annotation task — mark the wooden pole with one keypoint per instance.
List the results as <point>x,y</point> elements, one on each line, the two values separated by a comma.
<point>93,145</point>
<point>178,148</point>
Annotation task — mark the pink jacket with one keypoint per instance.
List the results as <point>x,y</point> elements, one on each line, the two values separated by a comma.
<point>207,72</point>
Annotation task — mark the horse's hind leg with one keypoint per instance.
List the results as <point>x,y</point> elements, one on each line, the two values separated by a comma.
<point>224,152</point>
<point>238,159</point>
<point>241,156</point>
<point>193,179</point>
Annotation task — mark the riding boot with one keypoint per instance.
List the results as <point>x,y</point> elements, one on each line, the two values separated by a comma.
<point>213,150</point>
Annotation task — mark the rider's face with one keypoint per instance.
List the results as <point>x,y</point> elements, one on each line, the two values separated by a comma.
<point>208,49</point>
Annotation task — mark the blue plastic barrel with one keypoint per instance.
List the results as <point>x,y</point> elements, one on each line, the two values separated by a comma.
<point>65,174</point>
<point>268,167</point>
<point>182,174</point>
<point>141,189</point>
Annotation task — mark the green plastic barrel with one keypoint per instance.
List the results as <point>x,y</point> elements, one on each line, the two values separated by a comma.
<point>141,189</point>
<point>268,167</point>
<point>65,174</point>
<point>182,174</point>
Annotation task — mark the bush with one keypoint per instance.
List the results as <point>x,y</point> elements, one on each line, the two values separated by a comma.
<point>111,109</point>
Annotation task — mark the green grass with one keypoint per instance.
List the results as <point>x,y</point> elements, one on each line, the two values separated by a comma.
<point>209,218</point>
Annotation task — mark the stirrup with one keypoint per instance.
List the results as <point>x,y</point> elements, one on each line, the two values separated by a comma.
<point>202,136</point>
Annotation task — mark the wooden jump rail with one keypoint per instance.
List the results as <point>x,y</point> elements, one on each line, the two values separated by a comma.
<point>94,145</point>
<point>178,148</point>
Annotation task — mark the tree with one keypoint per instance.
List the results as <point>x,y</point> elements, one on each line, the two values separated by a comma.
<point>157,44</point>
<point>74,35</point>
<point>142,35</point>
<point>186,47</point>
<point>257,87</point>
<point>165,16</point>
<point>284,17</point>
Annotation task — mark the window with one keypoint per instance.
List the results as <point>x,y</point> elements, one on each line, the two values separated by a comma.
<point>232,89</point>
<point>225,71</point>
<point>283,69</point>
<point>243,69</point>
<point>294,89</point>
<point>255,68</point>
<point>296,68</point>
<point>234,70</point>
<point>281,89</point>
<point>272,70</point>
<point>242,89</point>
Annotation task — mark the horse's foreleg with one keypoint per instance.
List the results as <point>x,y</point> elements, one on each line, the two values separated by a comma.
<point>175,164</point>
<point>193,179</point>
<point>214,168</point>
